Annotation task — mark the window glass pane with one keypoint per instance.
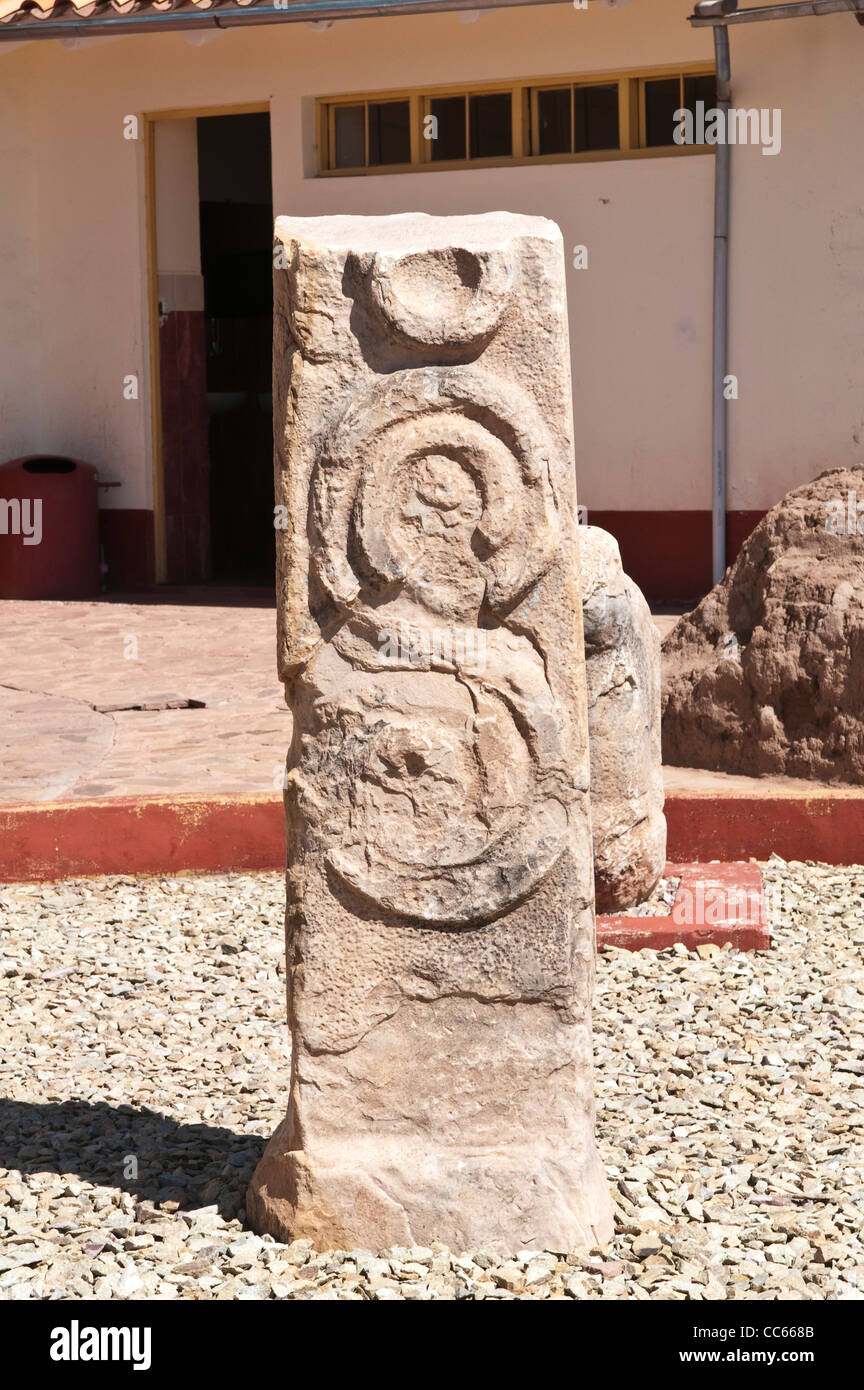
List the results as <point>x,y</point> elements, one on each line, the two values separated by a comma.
<point>662,100</point>
<point>700,89</point>
<point>595,117</point>
<point>350,142</point>
<point>389,132</point>
<point>491,128</point>
<point>553,121</point>
<point>449,142</point>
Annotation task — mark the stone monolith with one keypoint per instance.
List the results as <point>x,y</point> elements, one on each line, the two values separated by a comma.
<point>622,654</point>
<point>440,919</point>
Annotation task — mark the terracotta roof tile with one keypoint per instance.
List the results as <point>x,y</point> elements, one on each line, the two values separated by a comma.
<point>23,12</point>
<point>27,17</point>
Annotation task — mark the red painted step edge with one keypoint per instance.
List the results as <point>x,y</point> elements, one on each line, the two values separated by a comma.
<point>141,835</point>
<point>826,824</point>
<point>716,903</point>
<point>172,834</point>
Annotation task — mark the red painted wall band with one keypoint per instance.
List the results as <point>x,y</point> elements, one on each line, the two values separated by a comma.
<point>128,544</point>
<point>668,554</point>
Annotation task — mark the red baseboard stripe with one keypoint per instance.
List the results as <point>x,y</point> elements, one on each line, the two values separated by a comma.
<point>668,554</point>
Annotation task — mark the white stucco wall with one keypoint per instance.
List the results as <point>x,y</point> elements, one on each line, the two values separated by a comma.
<point>21,382</point>
<point>72,276</point>
<point>797,289</point>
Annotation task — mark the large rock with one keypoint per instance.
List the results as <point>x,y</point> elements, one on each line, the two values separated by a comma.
<point>440,925</point>
<point>622,652</point>
<point>767,674</point>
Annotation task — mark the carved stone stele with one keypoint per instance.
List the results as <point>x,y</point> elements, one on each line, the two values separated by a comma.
<point>440,929</point>
<point>622,654</point>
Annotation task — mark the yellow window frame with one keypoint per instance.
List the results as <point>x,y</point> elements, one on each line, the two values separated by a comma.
<point>523,115</point>
<point>639,102</point>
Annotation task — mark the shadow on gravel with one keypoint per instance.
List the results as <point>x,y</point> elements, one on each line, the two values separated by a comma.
<point>152,1156</point>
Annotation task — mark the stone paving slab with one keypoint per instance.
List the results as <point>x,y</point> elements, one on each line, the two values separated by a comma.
<point>48,742</point>
<point>73,678</point>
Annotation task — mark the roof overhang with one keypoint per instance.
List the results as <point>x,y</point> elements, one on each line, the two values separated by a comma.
<point>21,20</point>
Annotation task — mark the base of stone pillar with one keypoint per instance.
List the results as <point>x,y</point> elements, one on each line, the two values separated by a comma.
<point>377,1194</point>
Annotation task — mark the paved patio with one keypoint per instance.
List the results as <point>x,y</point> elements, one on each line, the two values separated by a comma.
<point>87,689</point>
<point>156,696</point>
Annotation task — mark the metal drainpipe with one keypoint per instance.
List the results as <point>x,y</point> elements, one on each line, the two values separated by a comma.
<point>722,168</point>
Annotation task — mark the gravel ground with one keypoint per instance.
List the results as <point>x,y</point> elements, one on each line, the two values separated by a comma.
<point>144,1062</point>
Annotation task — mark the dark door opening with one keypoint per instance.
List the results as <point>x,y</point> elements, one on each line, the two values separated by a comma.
<point>236,221</point>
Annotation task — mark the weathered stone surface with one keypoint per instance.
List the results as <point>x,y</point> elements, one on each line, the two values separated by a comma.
<point>622,654</point>
<point>440,923</point>
<point>767,674</point>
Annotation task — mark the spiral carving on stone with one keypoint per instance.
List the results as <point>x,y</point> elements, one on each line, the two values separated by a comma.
<point>456,789</point>
<point>441,787</point>
<point>430,456</point>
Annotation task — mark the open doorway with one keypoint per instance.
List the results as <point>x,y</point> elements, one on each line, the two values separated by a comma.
<point>236,215</point>
<point>214,225</point>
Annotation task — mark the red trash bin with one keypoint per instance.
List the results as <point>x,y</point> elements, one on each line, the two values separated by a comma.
<point>49,528</point>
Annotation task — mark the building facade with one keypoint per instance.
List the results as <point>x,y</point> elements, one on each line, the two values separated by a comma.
<point>140,174</point>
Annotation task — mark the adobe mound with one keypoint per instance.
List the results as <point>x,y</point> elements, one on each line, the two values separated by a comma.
<point>766,675</point>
